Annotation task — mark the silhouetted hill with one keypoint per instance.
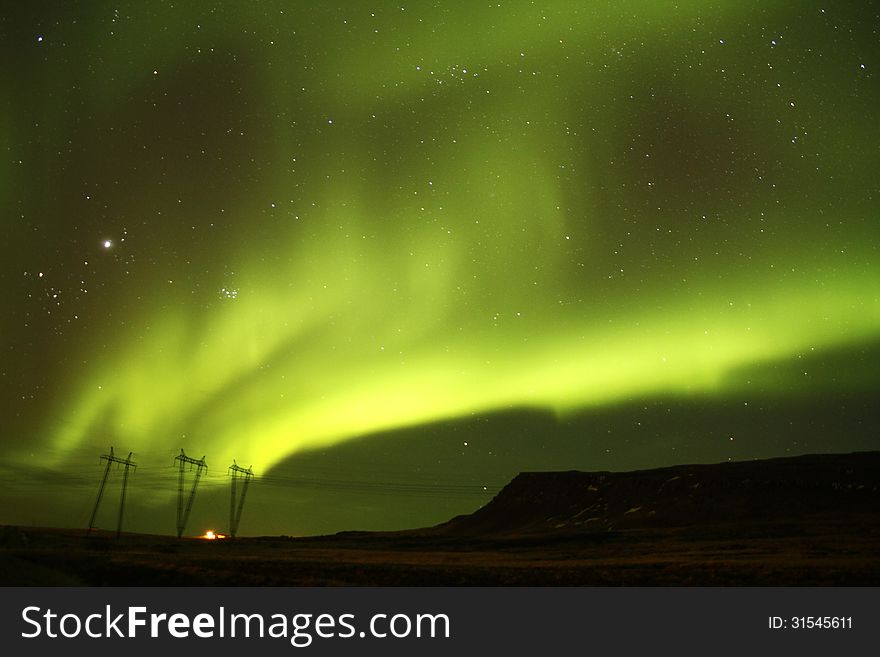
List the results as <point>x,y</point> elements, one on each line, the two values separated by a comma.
<point>803,521</point>
<point>780,489</point>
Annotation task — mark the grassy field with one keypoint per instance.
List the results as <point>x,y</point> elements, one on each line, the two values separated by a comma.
<point>824,551</point>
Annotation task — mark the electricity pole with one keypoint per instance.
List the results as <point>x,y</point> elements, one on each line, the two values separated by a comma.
<point>235,514</point>
<point>127,463</point>
<point>183,514</point>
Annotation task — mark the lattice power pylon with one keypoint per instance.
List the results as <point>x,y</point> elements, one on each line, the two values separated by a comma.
<point>126,463</point>
<point>183,513</point>
<point>236,471</point>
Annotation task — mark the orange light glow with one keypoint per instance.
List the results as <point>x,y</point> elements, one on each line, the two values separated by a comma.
<point>211,535</point>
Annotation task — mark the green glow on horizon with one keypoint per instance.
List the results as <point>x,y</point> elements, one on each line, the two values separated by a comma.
<point>331,383</point>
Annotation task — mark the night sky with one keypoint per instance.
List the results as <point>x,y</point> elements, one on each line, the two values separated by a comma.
<point>392,254</point>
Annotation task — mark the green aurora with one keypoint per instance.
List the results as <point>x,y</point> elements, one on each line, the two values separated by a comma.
<point>256,230</point>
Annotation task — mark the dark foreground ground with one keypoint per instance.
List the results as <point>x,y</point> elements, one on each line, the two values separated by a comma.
<point>829,552</point>
<point>806,520</point>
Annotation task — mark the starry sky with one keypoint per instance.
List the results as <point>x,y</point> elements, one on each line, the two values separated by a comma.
<point>392,254</point>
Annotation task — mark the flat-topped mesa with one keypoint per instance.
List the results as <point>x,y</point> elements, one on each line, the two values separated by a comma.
<point>772,490</point>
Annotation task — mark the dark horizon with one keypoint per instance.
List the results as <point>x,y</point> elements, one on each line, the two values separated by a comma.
<point>794,521</point>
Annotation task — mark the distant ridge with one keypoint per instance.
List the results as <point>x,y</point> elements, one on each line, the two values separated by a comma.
<point>773,490</point>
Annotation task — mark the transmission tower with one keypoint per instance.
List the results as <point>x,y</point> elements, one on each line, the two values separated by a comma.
<point>183,513</point>
<point>235,511</point>
<point>126,463</point>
